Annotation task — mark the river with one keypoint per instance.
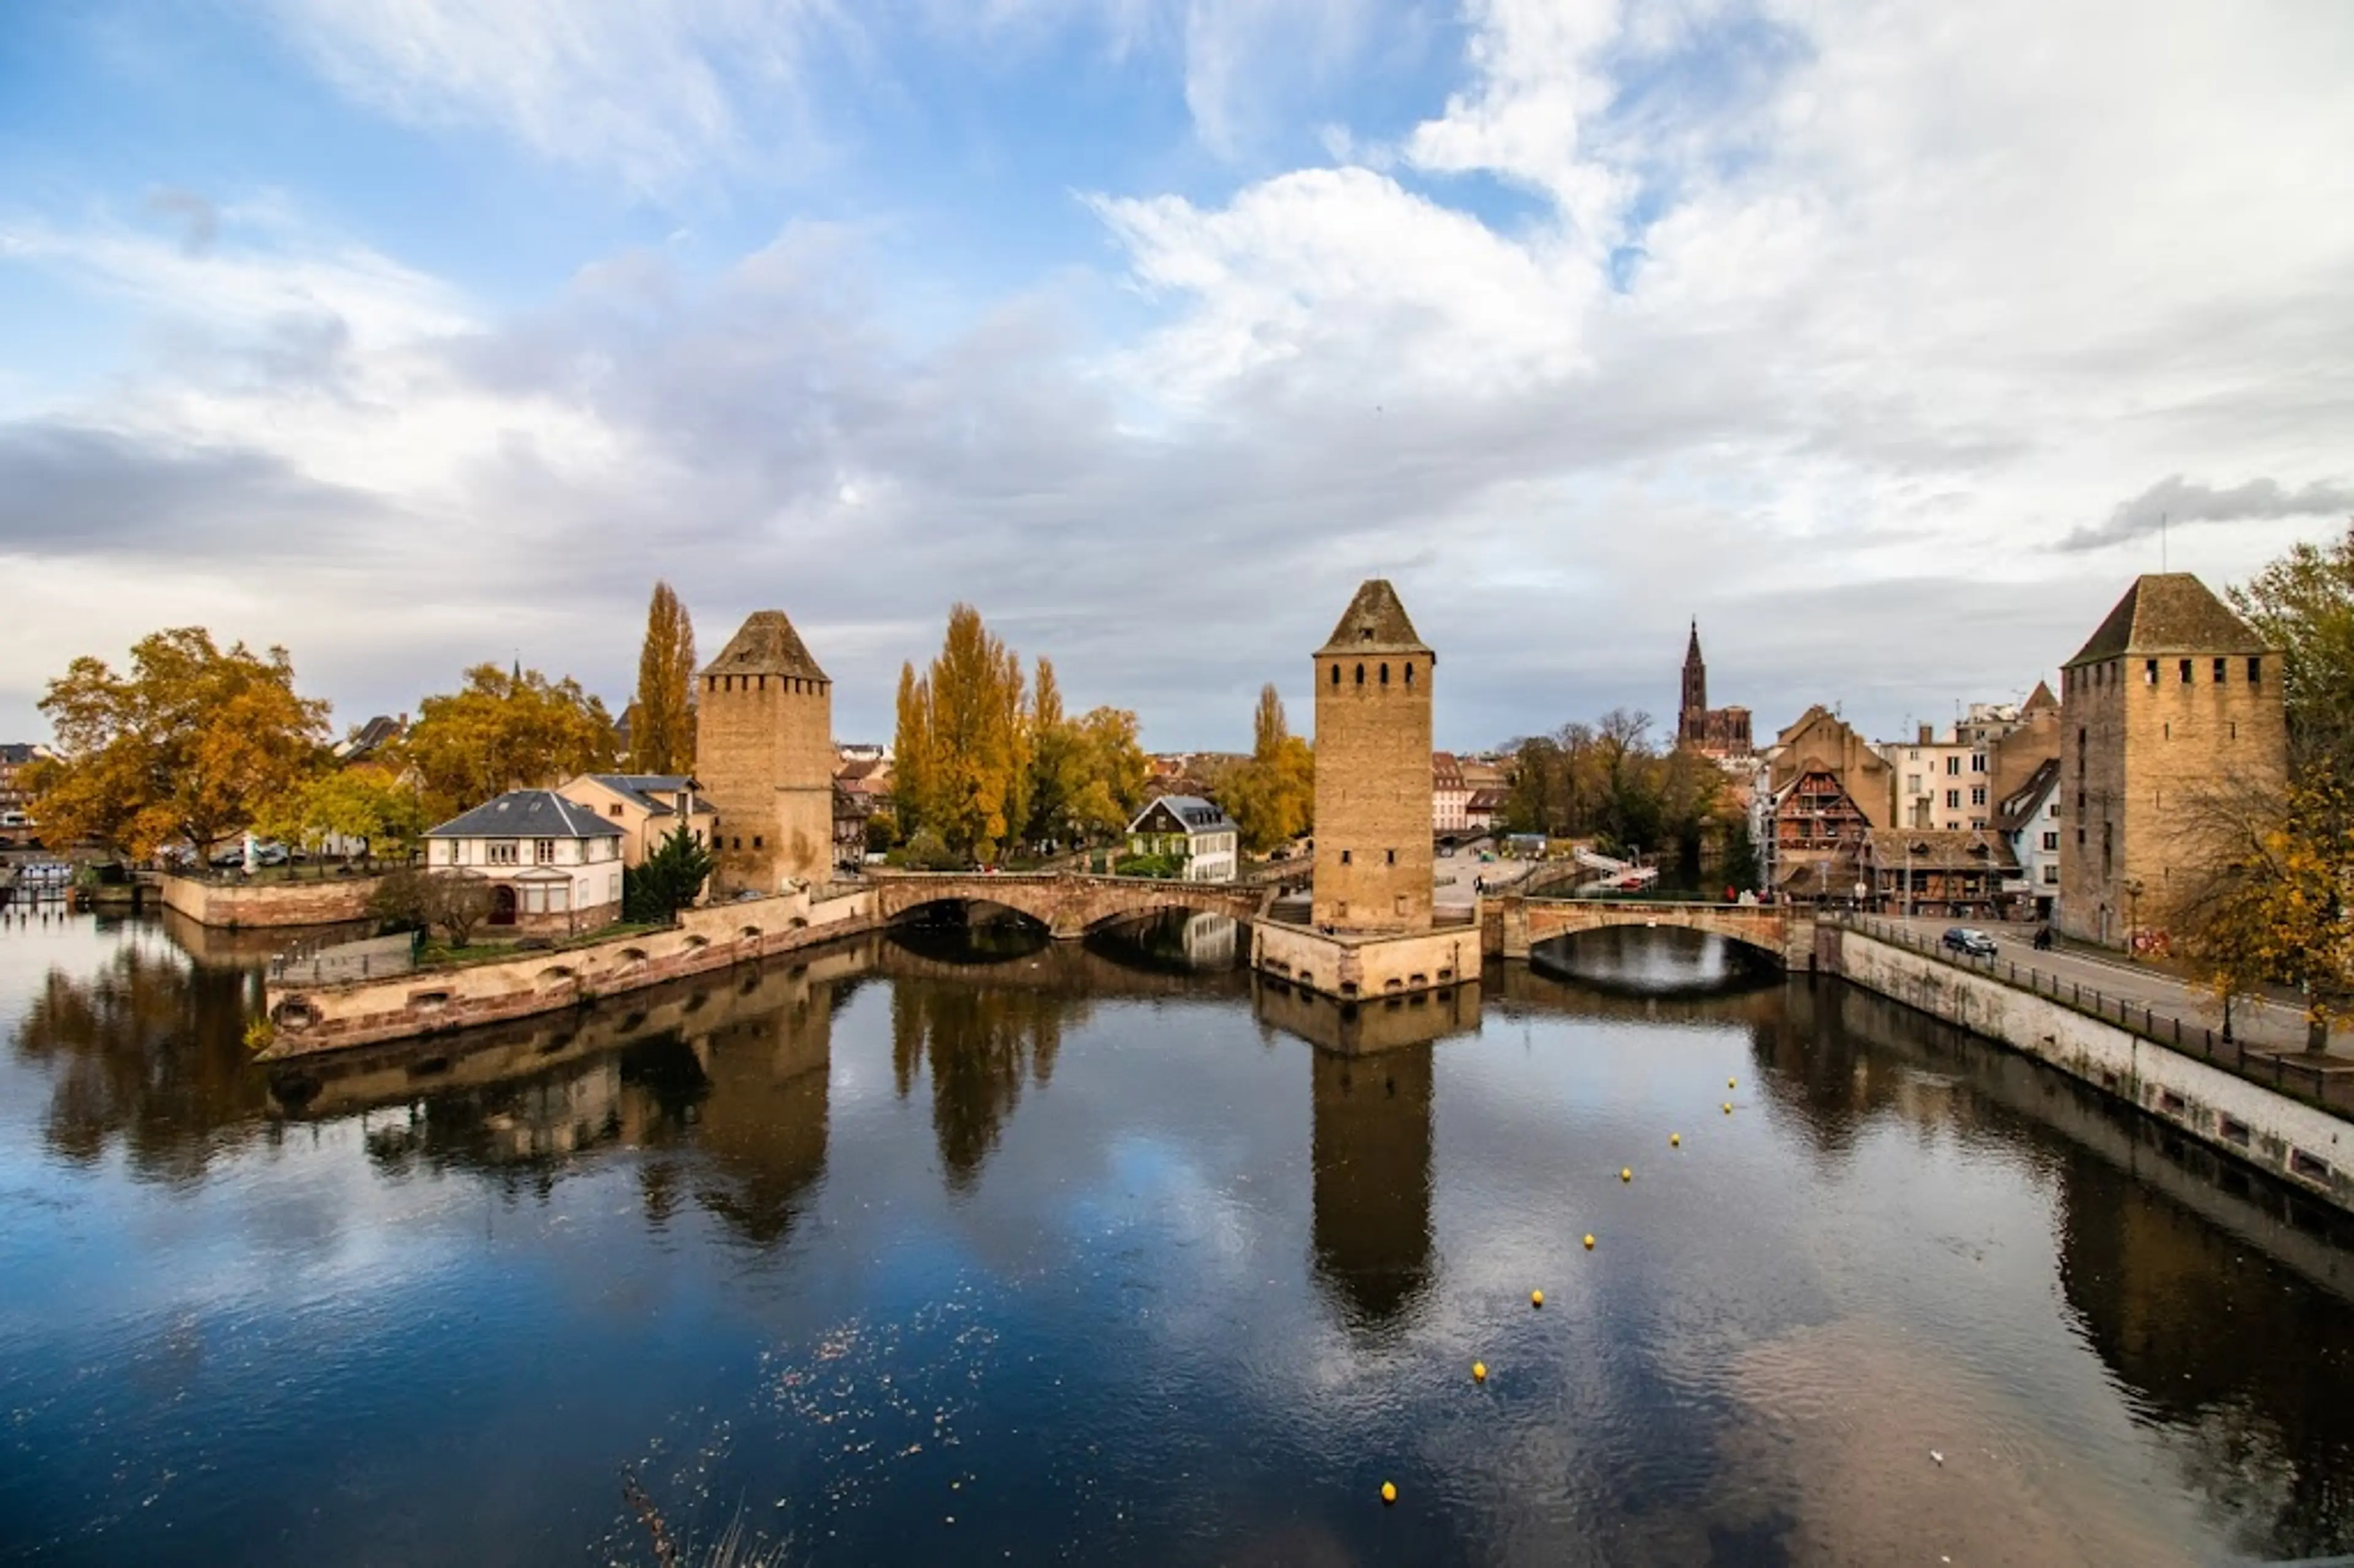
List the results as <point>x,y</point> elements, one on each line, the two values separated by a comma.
<point>945,1248</point>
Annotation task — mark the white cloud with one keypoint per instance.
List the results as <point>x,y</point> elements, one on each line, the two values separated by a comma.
<point>651,90</point>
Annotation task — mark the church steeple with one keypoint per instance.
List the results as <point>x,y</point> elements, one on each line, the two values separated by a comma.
<point>1691,719</point>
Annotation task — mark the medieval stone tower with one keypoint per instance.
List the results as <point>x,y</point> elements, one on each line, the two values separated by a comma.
<point>1373,770</point>
<point>1692,717</point>
<point>764,756</point>
<point>2172,698</point>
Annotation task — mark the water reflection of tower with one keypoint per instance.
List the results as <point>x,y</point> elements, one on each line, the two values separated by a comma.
<point>761,1127</point>
<point>1369,1153</point>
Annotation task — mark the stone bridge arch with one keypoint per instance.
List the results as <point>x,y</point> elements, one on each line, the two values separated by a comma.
<point>1784,933</point>
<point>1067,905</point>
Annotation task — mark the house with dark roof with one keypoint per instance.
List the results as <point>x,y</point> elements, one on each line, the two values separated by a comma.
<point>1938,873</point>
<point>647,807</point>
<point>554,866</point>
<point>1190,826</point>
<point>2028,817</point>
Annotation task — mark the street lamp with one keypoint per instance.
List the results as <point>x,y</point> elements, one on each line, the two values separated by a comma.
<point>2133,918</point>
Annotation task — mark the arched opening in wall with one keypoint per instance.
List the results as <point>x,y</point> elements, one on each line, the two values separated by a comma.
<point>294,1015</point>
<point>967,931</point>
<point>1409,672</point>
<point>556,976</point>
<point>1385,672</point>
<point>1656,962</point>
<point>1336,674</point>
<point>1361,674</point>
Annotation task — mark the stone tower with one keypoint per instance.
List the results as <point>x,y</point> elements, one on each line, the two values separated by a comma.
<point>764,756</point>
<point>2172,697</point>
<point>1373,770</point>
<point>1691,718</point>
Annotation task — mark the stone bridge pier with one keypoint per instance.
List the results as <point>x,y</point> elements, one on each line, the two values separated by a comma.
<point>1783,932</point>
<point>1066,904</point>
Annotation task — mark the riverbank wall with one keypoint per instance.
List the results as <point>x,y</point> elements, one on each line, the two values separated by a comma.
<point>307,1019</point>
<point>2304,1146</point>
<point>241,905</point>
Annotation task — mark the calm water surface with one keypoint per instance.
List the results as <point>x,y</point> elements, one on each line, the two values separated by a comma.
<point>936,1250</point>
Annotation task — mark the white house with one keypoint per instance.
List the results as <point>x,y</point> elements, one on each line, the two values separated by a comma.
<point>552,866</point>
<point>2030,817</point>
<point>1193,827</point>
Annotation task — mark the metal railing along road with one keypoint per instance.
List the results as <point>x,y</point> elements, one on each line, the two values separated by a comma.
<point>2192,1036</point>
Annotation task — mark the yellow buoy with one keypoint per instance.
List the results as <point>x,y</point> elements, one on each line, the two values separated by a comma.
<point>1536,1297</point>
<point>1389,1491</point>
<point>1675,1141</point>
<point>1728,1108</point>
<point>1589,1241</point>
<point>1730,1083</point>
<point>1479,1371</point>
<point>1625,1175</point>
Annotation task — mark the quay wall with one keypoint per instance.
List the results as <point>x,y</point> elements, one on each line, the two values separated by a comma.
<point>1366,967</point>
<point>306,1019</point>
<point>237,905</point>
<point>2308,1148</point>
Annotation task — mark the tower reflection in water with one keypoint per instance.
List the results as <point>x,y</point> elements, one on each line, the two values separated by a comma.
<point>1370,1095</point>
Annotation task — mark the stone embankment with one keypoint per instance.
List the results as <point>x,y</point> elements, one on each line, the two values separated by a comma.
<point>310,1018</point>
<point>237,906</point>
<point>2306,1146</point>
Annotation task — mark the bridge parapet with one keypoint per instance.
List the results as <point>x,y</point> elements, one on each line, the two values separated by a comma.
<point>1784,931</point>
<point>1068,904</point>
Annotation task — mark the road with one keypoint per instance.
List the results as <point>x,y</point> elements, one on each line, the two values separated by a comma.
<point>2264,1026</point>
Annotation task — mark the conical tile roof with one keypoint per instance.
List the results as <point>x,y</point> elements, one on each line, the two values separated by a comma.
<point>766,645</point>
<point>2169,612</point>
<point>1375,622</point>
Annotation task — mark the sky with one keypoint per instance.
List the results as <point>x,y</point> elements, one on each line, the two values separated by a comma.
<point>1884,340</point>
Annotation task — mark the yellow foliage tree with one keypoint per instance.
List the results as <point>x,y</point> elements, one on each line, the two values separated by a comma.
<point>2272,896</point>
<point>189,745</point>
<point>1272,797</point>
<point>504,730</point>
<point>965,727</point>
<point>661,720</point>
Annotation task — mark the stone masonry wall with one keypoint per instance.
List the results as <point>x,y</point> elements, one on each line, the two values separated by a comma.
<point>2143,753</point>
<point>2309,1147</point>
<point>1366,966</point>
<point>764,754</point>
<point>431,1002</point>
<point>1373,866</point>
<point>326,902</point>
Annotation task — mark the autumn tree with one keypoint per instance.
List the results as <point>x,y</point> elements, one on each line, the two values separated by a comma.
<point>367,802</point>
<point>188,745</point>
<point>964,725</point>
<point>2303,604</point>
<point>662,723</point>
<point>2269,894</point>
<point>504,730</point>
<point>1272,797</point>
<point>1110,771</point>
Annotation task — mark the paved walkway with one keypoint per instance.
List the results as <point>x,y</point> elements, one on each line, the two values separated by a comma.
<point>2258,1025</point>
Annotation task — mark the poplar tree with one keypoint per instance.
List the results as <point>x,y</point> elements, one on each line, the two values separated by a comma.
<point>661,723</point>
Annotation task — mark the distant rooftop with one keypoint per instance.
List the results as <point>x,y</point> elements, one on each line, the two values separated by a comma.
<point>526,814</point>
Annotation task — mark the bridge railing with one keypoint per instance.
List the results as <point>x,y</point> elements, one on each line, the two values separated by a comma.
<point>2177,1029</point>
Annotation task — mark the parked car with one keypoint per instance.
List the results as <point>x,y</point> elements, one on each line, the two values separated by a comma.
<point>1969,941</point>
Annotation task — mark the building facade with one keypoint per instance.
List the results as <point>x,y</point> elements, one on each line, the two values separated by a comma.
<point>1450,794</point>
<point>1374,679</point>
<point>647,807</point>
<point>1187,825</point>
<point>553,866</point>
<point>1717,732</point>
<point>2029,817</point>
<point>764,754</point>
<point>1944,875</point>
<point>2171,701</point>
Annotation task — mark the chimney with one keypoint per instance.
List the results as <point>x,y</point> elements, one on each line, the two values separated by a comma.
<point>1928,734</point>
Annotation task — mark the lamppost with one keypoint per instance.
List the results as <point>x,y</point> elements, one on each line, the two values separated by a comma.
<point>2132,919</point>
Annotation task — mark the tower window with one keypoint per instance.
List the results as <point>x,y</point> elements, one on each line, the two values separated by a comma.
<point>1336,674</point>
<point>756,841</point>
<point>1409,674</point>
<point>2186,672</point>
<point>2150,671</point>
<point>2219,672</point>
<point>1361,674</point>
<point>2255,671</point>
<point>1392,854</point>
<point>1385,672</point>
<point>1344,857</point>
